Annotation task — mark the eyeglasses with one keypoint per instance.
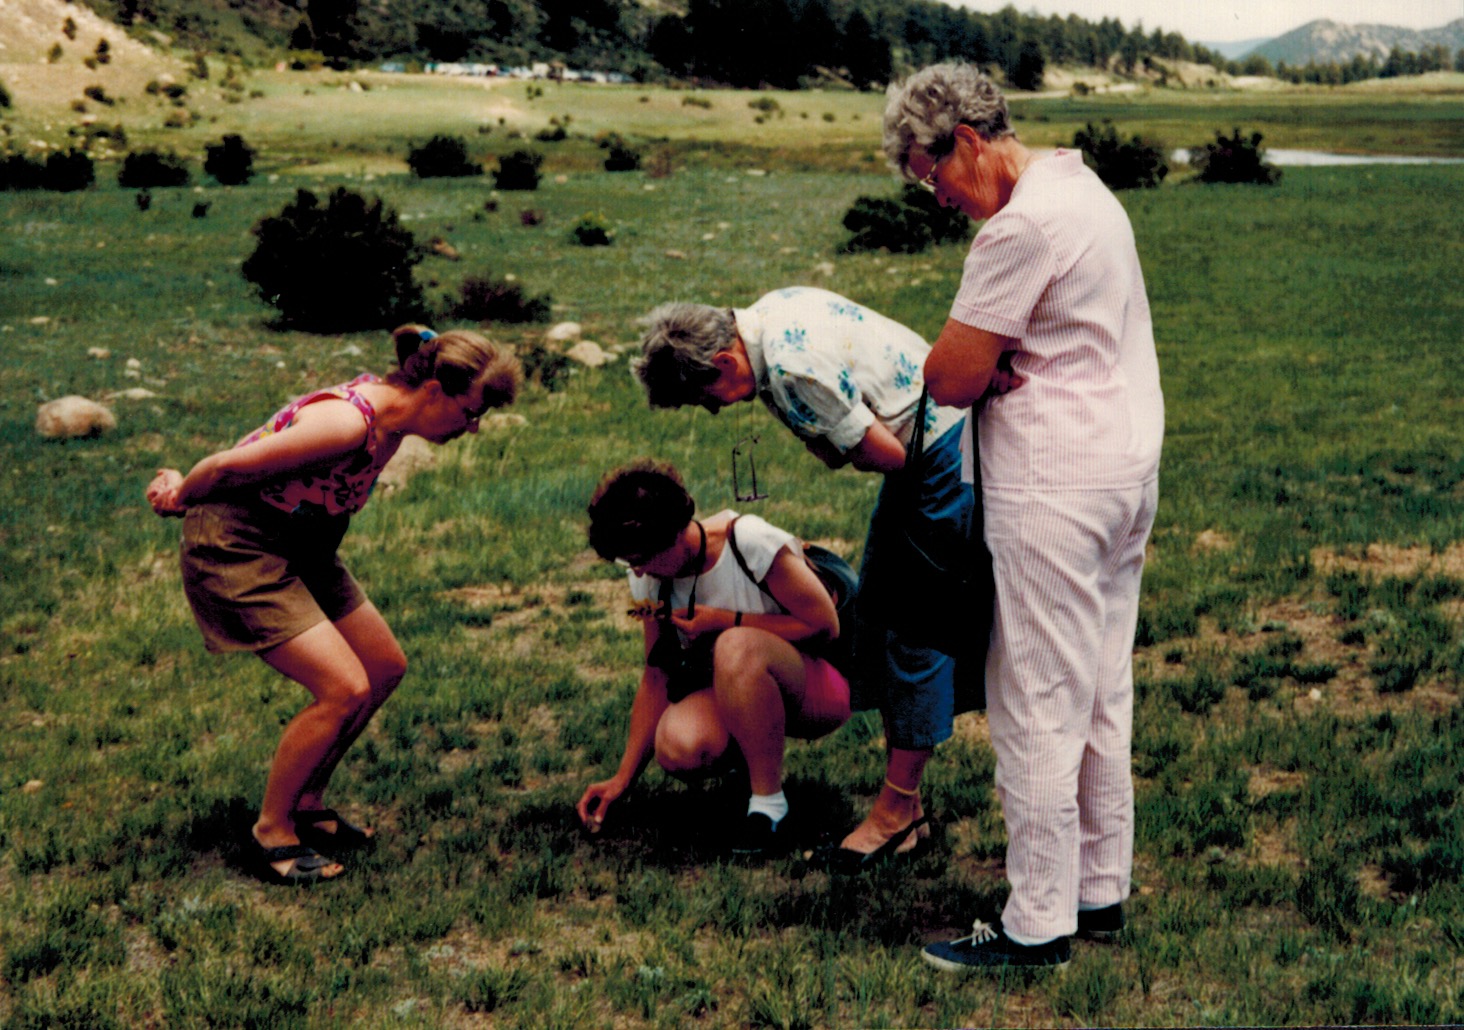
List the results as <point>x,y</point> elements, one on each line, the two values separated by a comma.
<point>928,183</point>
<point>472,414</point>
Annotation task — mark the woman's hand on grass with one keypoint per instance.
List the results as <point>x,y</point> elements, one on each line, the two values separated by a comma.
<point>596,802</point>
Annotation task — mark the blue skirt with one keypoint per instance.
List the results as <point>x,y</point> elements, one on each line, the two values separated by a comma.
<point>916,616</point>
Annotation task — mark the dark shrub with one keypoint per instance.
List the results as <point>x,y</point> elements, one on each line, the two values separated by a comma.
<point>230,161</point>
<point>340,267</point>
<point>18,172</point>
<point>98,94</point>
<point>904,224</point>
<point>443,157</point>
<point>620,156</point>
<point>592,230</point>
<point>1123,165</point>
<point>68,171</point>
<point>4,96</point>
<point>1234,160</point>
<point>518,170</point>
<point>145,169</point>
<point>485,299</point>
<point>550,367</point>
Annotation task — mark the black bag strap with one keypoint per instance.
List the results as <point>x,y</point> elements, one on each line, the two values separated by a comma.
<point>914,471</point>
<point>746,569</point>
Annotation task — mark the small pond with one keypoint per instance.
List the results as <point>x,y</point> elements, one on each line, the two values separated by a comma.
<point>1301,158</point>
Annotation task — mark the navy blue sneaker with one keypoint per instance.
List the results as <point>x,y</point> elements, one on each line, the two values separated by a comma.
<point>988,947</point>
<point>1101,924</point>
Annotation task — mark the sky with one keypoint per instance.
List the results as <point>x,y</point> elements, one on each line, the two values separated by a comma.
<point>1223,21</point>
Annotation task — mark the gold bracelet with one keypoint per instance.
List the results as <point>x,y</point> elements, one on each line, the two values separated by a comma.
<point>902,791</point>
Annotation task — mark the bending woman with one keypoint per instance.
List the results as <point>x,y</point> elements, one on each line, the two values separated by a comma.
<point>261,524</point>
<point>756,621</point>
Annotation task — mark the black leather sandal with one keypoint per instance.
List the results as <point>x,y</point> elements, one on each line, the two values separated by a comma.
<point>847,862</point>
<point>346,837</point>
<point>309,865</point>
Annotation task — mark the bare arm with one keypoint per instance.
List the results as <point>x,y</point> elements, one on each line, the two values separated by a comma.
<point>645,713</point>
<point>879,451</point>
<point>810,611</point>
<point>322,432</point>
<point>963,363</point>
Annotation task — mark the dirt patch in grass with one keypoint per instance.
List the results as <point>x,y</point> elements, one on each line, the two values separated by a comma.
<point>1350,691</point>
<point>1390,560</point>
<point>1276,847</point>
<point>1265,781</point>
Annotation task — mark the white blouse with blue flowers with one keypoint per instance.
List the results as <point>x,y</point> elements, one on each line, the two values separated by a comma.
<point>828,367</point>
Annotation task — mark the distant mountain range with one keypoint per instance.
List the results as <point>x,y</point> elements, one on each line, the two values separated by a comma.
<point>1330,42</point>
<point>1235,49</point>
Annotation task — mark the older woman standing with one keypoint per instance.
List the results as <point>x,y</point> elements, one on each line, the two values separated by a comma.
<point>1069,466</point>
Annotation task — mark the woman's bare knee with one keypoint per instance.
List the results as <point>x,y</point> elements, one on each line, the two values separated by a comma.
<point>683,746</point>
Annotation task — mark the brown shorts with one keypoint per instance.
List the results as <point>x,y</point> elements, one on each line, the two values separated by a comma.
<point>256,577</point>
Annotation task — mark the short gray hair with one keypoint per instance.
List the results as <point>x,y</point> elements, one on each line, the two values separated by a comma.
<point>680,341</point>
<point>924,110</point>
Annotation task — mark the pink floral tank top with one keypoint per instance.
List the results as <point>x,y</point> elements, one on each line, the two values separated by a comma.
<point>341,489</point>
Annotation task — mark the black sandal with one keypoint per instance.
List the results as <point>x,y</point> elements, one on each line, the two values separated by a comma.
<point>347,836</point>
<point>309,864</point>
<point>847,862</point>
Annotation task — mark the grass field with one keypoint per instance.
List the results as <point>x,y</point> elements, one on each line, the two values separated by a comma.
<point>1299,735</point>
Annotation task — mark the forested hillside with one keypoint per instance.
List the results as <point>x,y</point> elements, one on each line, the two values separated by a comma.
<point>735,42</point>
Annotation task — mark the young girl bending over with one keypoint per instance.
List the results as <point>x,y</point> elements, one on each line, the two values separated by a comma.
<point>733,617</point>
<point>261,524</point>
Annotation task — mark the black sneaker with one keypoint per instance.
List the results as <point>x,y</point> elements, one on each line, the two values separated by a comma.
<point>1100,924</point>
<point>989,947</point>
<point>756,836</point>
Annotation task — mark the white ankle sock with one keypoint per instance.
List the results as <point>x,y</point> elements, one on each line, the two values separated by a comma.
<point>774,806</point>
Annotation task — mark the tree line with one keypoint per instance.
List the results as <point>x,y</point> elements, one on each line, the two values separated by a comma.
<point>747,43</point>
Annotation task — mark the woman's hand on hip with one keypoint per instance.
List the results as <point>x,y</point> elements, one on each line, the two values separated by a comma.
<point>162,493</point>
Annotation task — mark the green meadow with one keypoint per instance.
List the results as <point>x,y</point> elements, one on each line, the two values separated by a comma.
<point>1299,739</point>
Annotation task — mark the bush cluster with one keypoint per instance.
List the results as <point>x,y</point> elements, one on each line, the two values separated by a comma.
<point>486,299</point>
<point>548,366</point>
<point>147,169</point>
<point>518,170</point>
<point>230,161</point>
<point>1234,159</point>
<point>620,156</point>
<point>443,157</point>
<point>592,230</point>
<point>62,171</point>
<point>903,224</point>
<point>1130,164</point>
<point>342,266</point>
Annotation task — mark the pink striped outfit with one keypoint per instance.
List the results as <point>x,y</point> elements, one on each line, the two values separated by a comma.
<point>1069,465</point>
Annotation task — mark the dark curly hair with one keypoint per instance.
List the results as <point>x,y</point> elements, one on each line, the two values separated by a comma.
<point>639,509</point>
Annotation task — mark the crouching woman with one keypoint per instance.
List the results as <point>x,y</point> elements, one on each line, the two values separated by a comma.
<point>734,618</point>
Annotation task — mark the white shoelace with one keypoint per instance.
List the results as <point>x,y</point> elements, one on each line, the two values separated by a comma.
<point>982,933</point>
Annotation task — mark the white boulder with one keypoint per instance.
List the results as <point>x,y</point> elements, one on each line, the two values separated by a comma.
<point>564,332</point>
<point>73,416</point>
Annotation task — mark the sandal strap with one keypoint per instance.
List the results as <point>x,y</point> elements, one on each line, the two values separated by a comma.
<point>311,816</point>
<point>286,852</point>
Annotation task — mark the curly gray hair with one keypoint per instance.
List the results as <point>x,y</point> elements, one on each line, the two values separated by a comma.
<point>680,341</point>
<point>924,110</point>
